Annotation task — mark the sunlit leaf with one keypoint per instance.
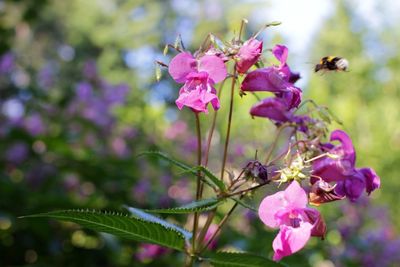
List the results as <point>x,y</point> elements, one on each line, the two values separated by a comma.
<point>196,206</point>
<point>121,225</point>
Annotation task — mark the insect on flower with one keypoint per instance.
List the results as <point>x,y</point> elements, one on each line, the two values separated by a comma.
<point>332,63</point>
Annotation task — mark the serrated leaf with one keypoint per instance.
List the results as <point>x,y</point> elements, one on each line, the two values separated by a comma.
<point>196,206</point>
<point>239,259</point>
<point>122,226</point>
<point>244,204</point>
<point>140,214</point>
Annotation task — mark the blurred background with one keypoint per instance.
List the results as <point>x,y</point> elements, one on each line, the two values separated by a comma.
<point>79,101</point>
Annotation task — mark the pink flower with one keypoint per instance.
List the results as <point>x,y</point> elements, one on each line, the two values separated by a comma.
<point>210,232</point>
<point>148,252</point>
<point>287,210</point>
<point>248,55</point>
<point>199,77</point>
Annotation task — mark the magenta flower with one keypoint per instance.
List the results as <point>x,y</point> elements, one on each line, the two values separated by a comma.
<point>287,210</point>
<point>248,55</point>
<point>351,182</point>
<point>276,79</point>
<point>281,53</point>
<point>210,232</point>
<point>148,252</point>
<point>272,108</point>
<point>199,77</point>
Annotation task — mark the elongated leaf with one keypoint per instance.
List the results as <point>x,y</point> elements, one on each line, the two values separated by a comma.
<point>121,225</point>
<point>244,204</point>
<point>166,157</point>
<point>232,259</point>
<point>196,206</point>
<point>193,170</point>
<point>140,214</point>
<point>214,179</point>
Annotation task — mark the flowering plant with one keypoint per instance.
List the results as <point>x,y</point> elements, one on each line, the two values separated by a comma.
<point>311,170</point>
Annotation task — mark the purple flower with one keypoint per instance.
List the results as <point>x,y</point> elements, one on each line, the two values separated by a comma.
<point>84,91</point>
<point>340,168</point>
<point>248,55</point>
<point>287,210</point>
<point>7,63</point>
<point>34,125</point>
<point>17,153</point>
<point>278,80</point>
<point>199,77</point>
<point>272,108</point>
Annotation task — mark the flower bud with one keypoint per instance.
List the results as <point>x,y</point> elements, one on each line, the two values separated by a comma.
<point>248,55</point>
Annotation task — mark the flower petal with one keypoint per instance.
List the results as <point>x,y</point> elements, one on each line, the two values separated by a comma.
<point>281,53</point>
<point>346,145</point>
<point>272,108</point>
<point>181,65</point>
<point>290,240</point>
<point>214,66</point>
<point>248,55</point>
<point>296,196</point>
<point>270,206</point>
<point>265,79</point>
<point>371,178</point>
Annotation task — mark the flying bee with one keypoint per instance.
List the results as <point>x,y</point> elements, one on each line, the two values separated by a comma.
<point>332,63</point>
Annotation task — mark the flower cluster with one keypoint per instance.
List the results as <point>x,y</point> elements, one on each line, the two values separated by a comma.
<point>315,171</point>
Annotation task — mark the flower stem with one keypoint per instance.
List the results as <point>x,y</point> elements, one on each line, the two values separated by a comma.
<point>220,225</point>
<point>198,185</point>
<point>228,131</point>
<point>211,131</point>
<point>275,142</point>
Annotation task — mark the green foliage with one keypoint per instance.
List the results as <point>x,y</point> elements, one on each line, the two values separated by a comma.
<point>238,259</point>
<point>210,179</point>
<point>122,226</point>
<point>196,206</point>
<point>244,204</point>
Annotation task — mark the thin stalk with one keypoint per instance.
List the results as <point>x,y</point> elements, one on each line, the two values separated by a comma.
<point>211,132</point>
<point>275,142</point>
<point>222,222</point>
<point>198,186</point>
<point>203,232</point>
<point>228,131</point>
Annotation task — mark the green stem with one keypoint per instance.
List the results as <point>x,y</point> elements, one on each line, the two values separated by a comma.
<point>220,225</point>
<point>198,186</point>
<point>275,142</point>
<point>228,131</point>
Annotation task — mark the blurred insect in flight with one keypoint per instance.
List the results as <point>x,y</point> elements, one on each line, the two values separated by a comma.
<point>332,63</point>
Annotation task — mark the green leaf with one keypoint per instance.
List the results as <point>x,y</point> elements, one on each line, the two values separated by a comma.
<point>121,225</point>
<point>239,259</point>
<point>167,158</point>
<point>196,206</point>
<point>244,204</point>
<point>140,214</point>
<point>193,170</point>
<point>214,179</point>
